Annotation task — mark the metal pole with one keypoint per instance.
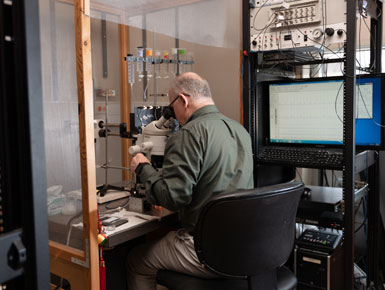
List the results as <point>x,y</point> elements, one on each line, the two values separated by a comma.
<point>349,142</point>
<point>106,143</point>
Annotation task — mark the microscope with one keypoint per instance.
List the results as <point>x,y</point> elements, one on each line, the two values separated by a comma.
<point>151,142</point>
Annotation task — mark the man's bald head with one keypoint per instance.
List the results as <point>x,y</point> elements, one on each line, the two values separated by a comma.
<point>193,85</point>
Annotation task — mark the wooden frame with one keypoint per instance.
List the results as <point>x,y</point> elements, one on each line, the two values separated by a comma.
<point>81,268</point>
<point>125,98</point>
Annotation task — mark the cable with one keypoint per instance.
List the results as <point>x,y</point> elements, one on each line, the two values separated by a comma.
<point>69,225</point>
<point>335,178</point>
<point>324,14</point>
<point>320,43</point>
<point>263,31</point>
<point>293,48</point>
<point>335,103</point>
<point>255,16</point>
<point>361,225</point>
<point>119,206</point>
<point>359,88</point>
<point>358,207</point>
<point>374,44</point>
<point>145,92</point>
<point>359,43</point>
<point>366,109</point>
<point>299,174</point>
<point>362,98</point>
<point>363,201</point>
<point>69,230</point>
<point>266,26</point>
<point>326,178</point>
<point>325,47</point>
<point>360,67</point>
<point>321,51</point>
<point>322,48</point>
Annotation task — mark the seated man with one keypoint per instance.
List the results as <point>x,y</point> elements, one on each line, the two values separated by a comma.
<point>210,155</point>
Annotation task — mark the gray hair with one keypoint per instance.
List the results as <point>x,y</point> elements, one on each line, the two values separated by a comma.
<point>191,84</point>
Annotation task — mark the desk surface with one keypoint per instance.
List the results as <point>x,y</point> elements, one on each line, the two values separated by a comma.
<point>58,226</point>
<point>162,217</point>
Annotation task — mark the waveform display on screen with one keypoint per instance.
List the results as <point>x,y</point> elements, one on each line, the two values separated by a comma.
<point>311,112</point>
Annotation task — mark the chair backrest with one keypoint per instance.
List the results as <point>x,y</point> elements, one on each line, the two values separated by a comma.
<point>250,232</point>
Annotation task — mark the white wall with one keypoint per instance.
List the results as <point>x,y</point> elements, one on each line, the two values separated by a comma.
<point>220,66</point>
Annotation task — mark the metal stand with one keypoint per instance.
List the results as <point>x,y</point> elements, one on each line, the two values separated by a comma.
<point>108,192</point>
<point>353,163</point>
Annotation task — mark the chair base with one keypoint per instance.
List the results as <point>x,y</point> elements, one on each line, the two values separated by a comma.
<point>177,281</point>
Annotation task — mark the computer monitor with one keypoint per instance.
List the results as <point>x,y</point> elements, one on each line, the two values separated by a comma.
<point>309,112</point>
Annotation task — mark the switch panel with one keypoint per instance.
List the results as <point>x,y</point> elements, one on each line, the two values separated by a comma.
<point>296,15</point>
<point>296,24</point>
<point>307,39</point>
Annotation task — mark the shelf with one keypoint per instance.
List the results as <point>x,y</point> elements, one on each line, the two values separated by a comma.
<point>360,193</point>
<point>364,160</point>
<point>323,206</point>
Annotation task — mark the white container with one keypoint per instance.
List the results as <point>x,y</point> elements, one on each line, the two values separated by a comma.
<point>73,203</point>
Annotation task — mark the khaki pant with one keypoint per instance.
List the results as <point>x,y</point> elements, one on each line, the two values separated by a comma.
<point>175,252</point>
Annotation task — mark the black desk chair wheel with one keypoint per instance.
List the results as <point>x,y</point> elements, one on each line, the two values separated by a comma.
<point>245,237</point>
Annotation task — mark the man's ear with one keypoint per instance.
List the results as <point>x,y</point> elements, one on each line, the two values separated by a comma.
<point>184,100</point>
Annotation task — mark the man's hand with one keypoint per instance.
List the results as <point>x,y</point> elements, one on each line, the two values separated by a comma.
<point>138,158</point>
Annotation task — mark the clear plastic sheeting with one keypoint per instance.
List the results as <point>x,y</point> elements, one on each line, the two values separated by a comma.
<point>61,122</point>
<point>207,22</point>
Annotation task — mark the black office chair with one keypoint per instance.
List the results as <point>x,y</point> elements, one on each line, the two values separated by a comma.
<point>245,237</point>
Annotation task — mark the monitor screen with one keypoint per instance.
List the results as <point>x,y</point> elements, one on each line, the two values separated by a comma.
<point>311,112</point>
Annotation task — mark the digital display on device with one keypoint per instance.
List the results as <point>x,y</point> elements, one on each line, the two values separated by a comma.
<point>311,112</point>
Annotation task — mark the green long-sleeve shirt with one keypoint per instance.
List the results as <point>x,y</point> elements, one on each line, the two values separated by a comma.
<point>211,154</point>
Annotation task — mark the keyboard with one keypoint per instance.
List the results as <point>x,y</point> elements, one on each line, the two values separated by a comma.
<point>302,156</point>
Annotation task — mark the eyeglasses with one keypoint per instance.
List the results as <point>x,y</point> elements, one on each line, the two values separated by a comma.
<point>174,100</point>
<point>170,106</point>
<point>170,110</point>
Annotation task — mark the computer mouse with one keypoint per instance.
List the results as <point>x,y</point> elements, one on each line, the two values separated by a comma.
<point>306,192</point>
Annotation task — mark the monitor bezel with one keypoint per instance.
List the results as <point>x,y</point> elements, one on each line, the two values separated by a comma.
<point>266,101</point>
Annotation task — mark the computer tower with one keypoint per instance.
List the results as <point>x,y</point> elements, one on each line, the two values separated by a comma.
<point>318,268</point>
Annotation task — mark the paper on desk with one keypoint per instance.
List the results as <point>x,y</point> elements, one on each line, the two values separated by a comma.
<point>134,219</point>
